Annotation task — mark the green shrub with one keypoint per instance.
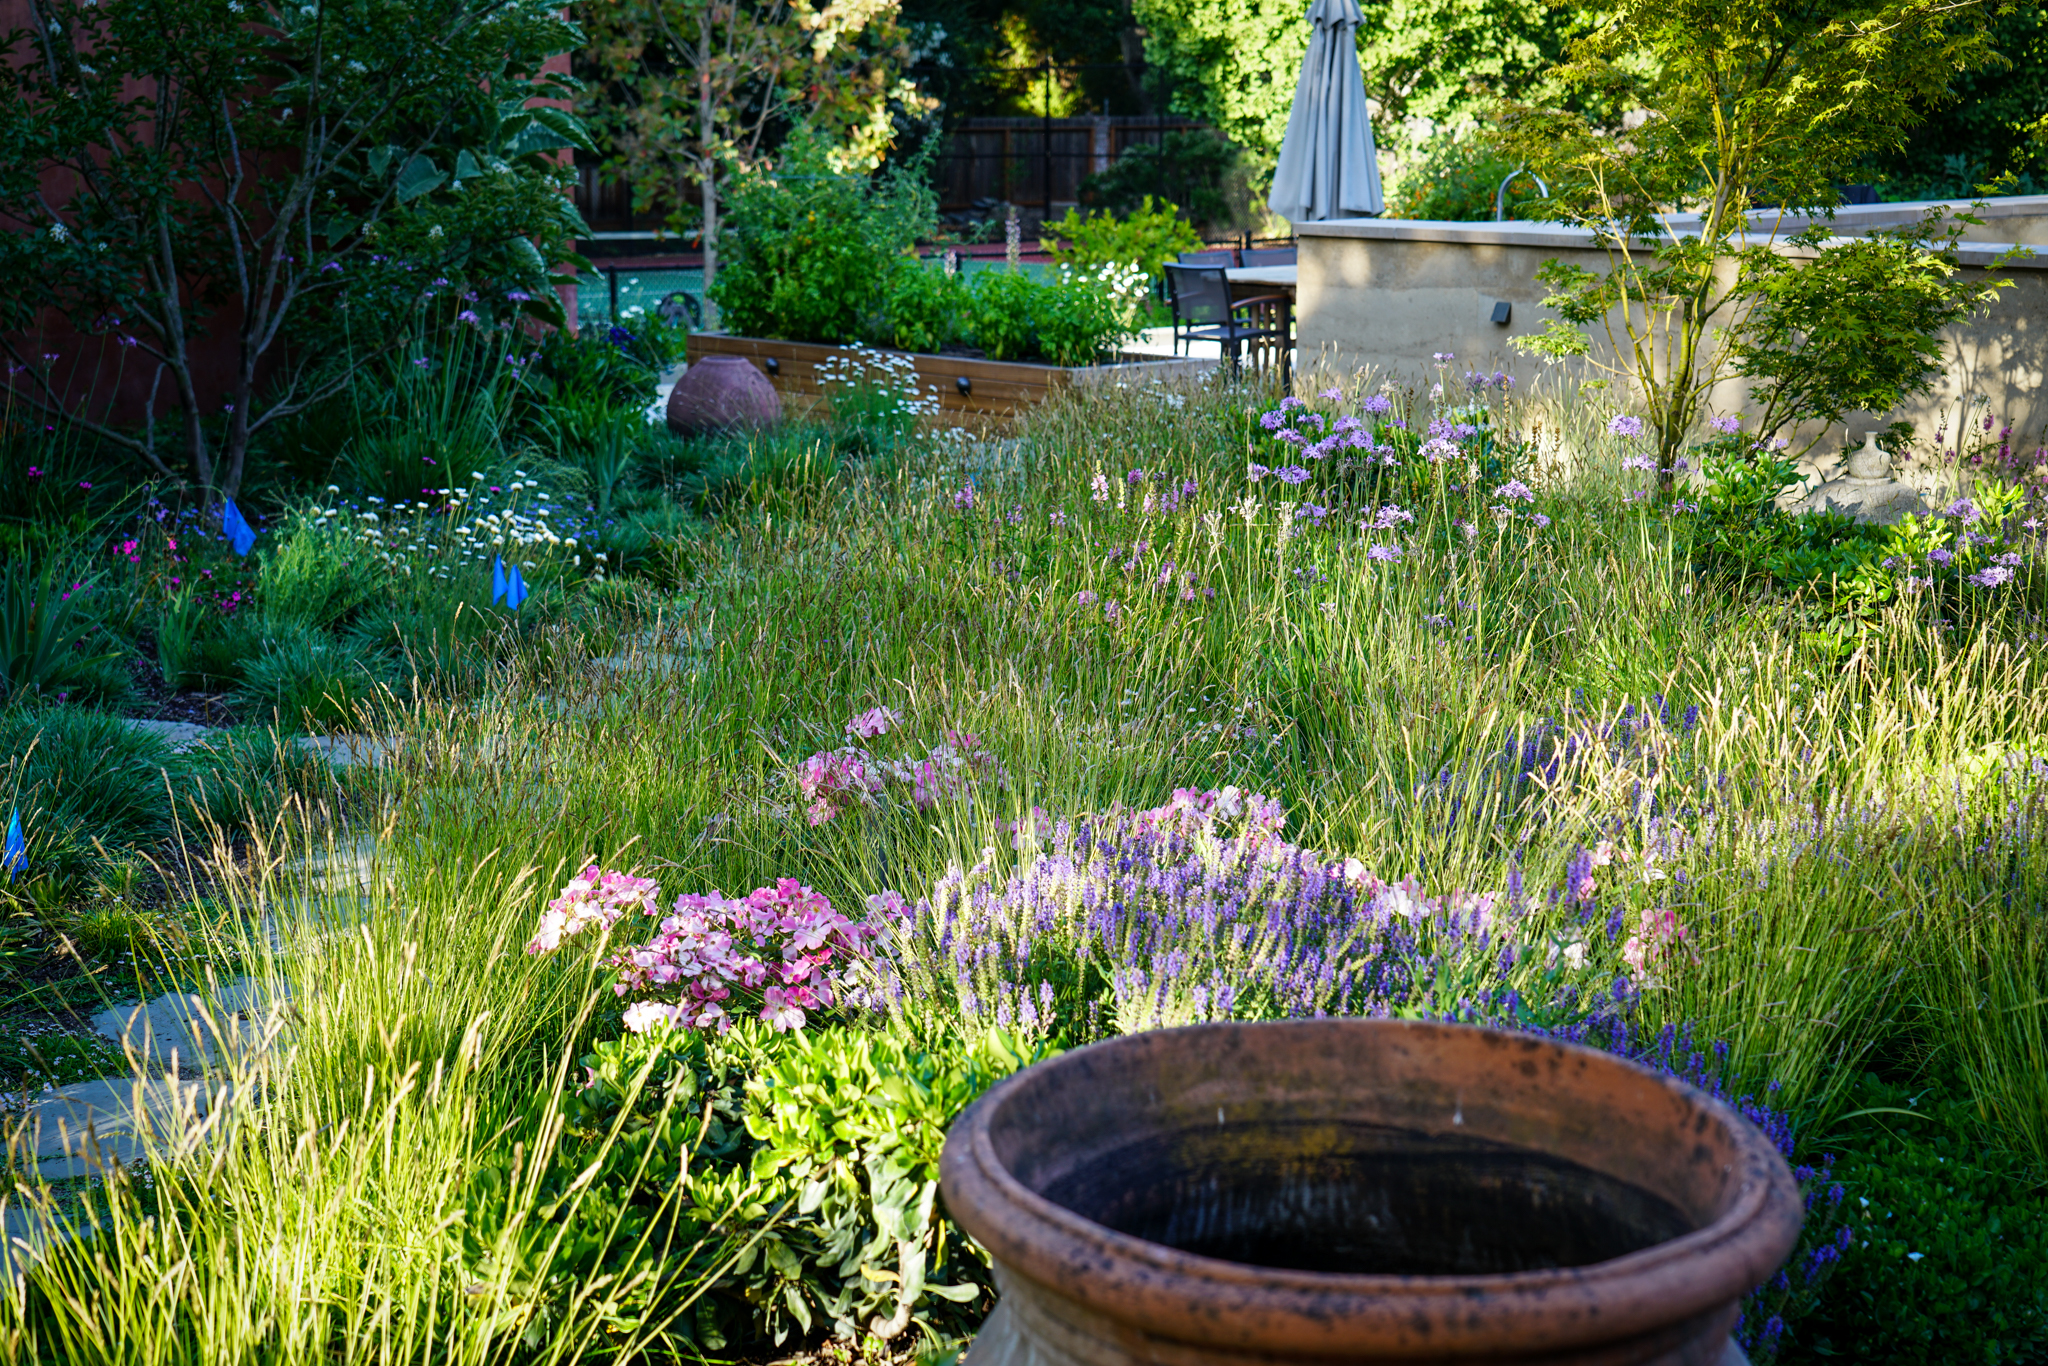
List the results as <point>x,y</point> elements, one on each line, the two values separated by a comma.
<point>1200,171</point>
<point>1455,177</point>
<point>1148,237</point>
<point>927,308</point>
<point>805,246</point>
<point>1941,1240</point>
<point>305,679</point>
<point>1005,314</point>
<point>1077,319</point>
<point>804,1166</point>
<point>1969,555</point>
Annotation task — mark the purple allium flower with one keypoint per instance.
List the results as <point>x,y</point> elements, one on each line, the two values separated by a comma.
<point>1291,474</point>
<point>1624,425</point>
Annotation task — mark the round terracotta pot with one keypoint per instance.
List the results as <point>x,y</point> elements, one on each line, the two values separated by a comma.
<point>718,393</point>
<point>1361,1190</point>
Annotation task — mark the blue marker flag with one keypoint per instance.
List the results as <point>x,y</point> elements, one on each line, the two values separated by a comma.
<point>15,857</point>
<point>515,589</point>
<point>237,529</point>
<point>498,581</point>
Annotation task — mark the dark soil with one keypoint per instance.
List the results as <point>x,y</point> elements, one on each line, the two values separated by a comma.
<point>156,702</point>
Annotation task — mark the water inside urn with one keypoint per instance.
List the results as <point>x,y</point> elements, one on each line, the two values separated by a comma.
<point>1364,1200</point>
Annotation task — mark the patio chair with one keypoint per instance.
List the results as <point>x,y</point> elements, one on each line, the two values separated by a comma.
<point>1212,256</point>
<point>1267,256</point>
<point>1201,299</point>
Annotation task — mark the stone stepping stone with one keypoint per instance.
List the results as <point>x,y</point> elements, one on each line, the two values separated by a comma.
<point>340,751</point>
<point>178,736</point>
<point>88,1127</point>
<point>180,1030</point>
<point>351,751</point>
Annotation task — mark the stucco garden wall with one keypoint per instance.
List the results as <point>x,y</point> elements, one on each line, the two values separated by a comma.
<point>1388,293</point>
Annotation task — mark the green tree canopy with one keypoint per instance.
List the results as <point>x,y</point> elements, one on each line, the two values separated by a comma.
<point>1234,63</point>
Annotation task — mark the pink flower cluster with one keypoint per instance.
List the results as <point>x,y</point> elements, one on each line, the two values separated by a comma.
<point>779,952</point>
<point>1192,811</point>
<point>596,898</point>
<point>834,779</point>
<point>1658,931</point>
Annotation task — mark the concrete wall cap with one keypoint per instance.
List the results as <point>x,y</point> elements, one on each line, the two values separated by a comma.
<point>1560,236</point>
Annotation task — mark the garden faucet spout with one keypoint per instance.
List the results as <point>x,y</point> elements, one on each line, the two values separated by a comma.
<point>1500,195</point>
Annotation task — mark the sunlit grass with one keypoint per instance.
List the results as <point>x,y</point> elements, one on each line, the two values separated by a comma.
<point>1856,842</point>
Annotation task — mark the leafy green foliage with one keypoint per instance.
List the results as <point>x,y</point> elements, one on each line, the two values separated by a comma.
<point>1234,63</point>
<point>1074,320</point>
<point>1983,126</point>
<point>1201,174</point>
<point>927,308</point>
<point>1147,236</point>
<point>802,1168</point>
<point>1857,327</point>
<point>1454,178</point>
<point>49,641</point>
<point>1740,101</point>
<point>361,170</point>
<point>1945,1238</point>
<point>806,246</point>
<point>1853,568</point>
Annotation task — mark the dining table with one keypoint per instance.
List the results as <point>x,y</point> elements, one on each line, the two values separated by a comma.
<point>1249,281</point>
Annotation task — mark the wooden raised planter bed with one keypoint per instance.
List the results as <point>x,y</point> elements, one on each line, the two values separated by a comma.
<point>967,387</point>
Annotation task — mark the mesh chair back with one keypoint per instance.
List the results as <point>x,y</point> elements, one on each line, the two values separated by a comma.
<point>1269,256</point>
<point>1201,294</point>
<point>1218,256</point>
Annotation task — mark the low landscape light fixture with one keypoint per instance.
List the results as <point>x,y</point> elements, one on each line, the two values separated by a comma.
<point>963,384</point>
<point>1502,311</point>
<point>772,364</point>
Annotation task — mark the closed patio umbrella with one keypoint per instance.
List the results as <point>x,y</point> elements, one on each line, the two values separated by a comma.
<point>1328,166</point>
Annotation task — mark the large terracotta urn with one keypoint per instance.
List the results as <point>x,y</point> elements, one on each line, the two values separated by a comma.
<point>719,393</point>
<point>1362,1191</point>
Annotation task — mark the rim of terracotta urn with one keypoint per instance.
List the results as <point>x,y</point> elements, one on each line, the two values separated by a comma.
<point>1172,1294</point>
